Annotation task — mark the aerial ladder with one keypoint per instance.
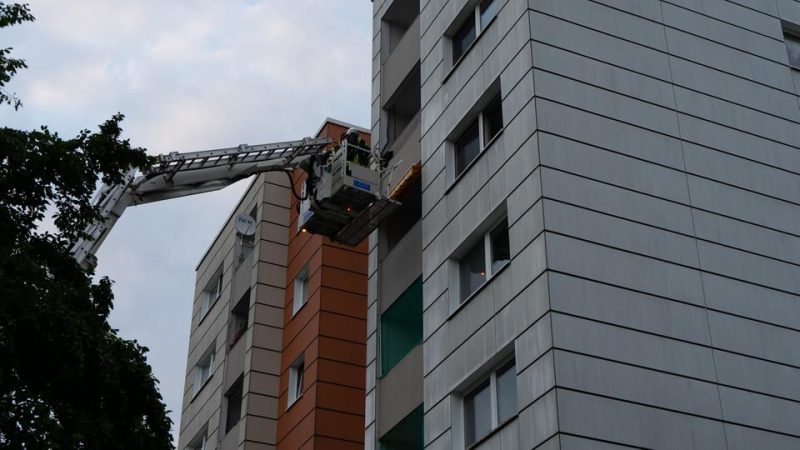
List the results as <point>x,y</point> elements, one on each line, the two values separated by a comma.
<point>341,197</point>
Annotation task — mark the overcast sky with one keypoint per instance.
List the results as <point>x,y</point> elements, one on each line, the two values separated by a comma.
<point>188,75</point>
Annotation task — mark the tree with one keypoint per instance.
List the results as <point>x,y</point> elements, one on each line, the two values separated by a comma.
<point>67,380</point>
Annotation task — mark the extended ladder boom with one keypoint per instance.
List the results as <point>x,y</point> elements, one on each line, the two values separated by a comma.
<point>181,174</point>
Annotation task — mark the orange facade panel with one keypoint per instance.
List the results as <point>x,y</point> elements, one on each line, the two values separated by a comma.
<point>329,332</point>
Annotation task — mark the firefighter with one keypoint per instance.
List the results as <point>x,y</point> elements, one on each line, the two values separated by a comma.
<point>356,155</point>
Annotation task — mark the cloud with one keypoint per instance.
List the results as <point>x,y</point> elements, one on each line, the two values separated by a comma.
<point>189,76</point>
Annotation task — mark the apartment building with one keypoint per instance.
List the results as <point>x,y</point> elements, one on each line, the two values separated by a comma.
<point>601,236</point>
<point>277,342</point>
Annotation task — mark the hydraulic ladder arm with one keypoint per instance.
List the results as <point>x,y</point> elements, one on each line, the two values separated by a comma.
<point>181,174</point>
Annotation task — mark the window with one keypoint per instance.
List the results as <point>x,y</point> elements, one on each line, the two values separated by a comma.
<point>200,442</point>
<point>490,404</point>
<point>239,318</point>
<point>408,434</point>
<point>478,135</point>
<point>791,35</point>
<point>211,293</point>
<point>401,109</point>
<point>203,370</point>
<point>296,375</point>
<point>233,398</point>
<point>406,217</point>
<point>484,259</point>
<point>467,147</point>
<point>401,327</point>
<point>479,17</point>
<point>302,290</point>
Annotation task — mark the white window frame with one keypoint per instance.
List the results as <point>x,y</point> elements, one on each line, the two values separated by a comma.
<point>296,381</point>
<point>483,142</point>
<point>211,293</point>
<point>484,238</point>
<point>302,287</point>
<point>457,25</point>
<point>204,364</point>
<point>459,404</point>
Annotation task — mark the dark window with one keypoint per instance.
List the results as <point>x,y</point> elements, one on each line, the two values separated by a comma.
<point>491,404</point>
<point>475,22</point>
<point>472,270</point>
<point>467,148</point>
<point>478,135</point>
<point>464,38</point>
<point>793,48</point>
<point>490,253</point>
<point>478,413</point>
<point>501,253</point>
<point>406,216</point>
<point>492,120</point>
<point>488,11</point>
<point>401,327</point>
<point>234,409</point>
<point>506,393</point>
<point>239,317</point>
<point>300,371</point>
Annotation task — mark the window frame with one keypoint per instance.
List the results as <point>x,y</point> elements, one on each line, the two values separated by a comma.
<point>235,391</point>
<point>484,141</point>
<point>206,361</point>
<point>483,237</point>
<point>495,422</point>
<point>240,311</point>
<point>296,381</point>
<point>473,11</point>
<point>211,294</point>
<point>302,288</point>
<point>791,32</point>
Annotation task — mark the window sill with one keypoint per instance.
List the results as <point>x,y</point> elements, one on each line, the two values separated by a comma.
<point>466,52</point>
<point>478,290</point>
<point>492,433</point>
<point>473,162</point>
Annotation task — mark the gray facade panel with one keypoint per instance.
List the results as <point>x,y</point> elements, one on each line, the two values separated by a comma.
<point>756,302</point>
<point>629,309</point>
<point>633,384</point>
<point>743,438</point>
<point>650,170</point>
<point>632,347</point>
<point>636,425</point>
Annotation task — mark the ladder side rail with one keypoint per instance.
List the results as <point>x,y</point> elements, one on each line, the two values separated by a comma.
<point>245,149</point>
<point>112,201</point>
<point>181,174</point>
<point>215,158</point>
